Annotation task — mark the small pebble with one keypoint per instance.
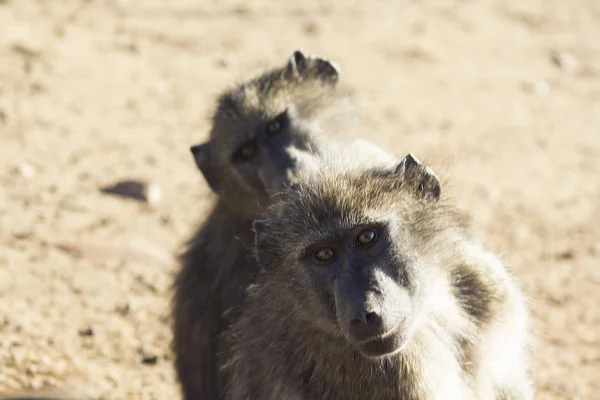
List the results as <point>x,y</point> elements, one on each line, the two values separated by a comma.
<point>87,331</point>
<point>26,170</point>
<point>565,255</point>
<point>539,87</point>
<point>153,194</point>
<point>148,357</point>
<point>564,61</point>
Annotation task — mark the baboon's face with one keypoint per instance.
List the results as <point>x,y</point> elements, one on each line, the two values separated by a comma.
<point>352,250</point>
<point>369,283</point>
<point>260,152</point>
<point>265,131</point>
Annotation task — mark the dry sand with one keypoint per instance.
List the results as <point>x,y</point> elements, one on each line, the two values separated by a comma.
<point>503,98</point>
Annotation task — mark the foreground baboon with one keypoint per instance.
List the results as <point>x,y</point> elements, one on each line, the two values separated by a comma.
<point>374,288</point>
<point>264,131</point>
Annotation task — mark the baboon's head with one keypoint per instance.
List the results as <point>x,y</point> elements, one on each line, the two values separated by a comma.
<point>352,250</point>
<point>267,129</point>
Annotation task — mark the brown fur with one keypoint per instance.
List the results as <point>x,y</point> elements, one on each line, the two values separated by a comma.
<point>217,265</point>
<point>469,331</point>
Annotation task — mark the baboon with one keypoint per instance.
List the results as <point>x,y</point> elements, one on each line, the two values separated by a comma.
<point>264,130</point>
<point>374,287</point>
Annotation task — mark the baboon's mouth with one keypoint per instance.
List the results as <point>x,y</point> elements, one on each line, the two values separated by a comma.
<point>386,344</point>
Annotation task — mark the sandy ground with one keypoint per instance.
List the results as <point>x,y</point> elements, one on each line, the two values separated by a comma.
<point>502,96</point>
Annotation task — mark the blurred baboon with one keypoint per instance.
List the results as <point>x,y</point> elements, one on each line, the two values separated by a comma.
<point>374,288</point>
<point>264,131</point>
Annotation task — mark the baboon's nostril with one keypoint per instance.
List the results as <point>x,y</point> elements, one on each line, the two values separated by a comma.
<point>371,318</point>
<point>366,319</point>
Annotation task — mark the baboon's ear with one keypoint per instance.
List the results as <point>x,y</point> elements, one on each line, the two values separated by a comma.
<point>202,159</point>
<point>425,181</point>
<point>312,66</point>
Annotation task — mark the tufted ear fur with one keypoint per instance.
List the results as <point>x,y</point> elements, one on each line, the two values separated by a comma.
<point>312,66</point>
<point>201,153</point>
<point>425,181</point>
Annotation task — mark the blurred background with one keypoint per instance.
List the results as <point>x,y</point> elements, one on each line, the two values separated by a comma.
<point>502,97</point>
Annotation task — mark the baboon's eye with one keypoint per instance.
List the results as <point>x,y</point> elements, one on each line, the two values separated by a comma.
<point>274,127</point>
<point>366,237</point>
<point>245,153</point>
<point>277,124</point>
<point>324,255</point>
